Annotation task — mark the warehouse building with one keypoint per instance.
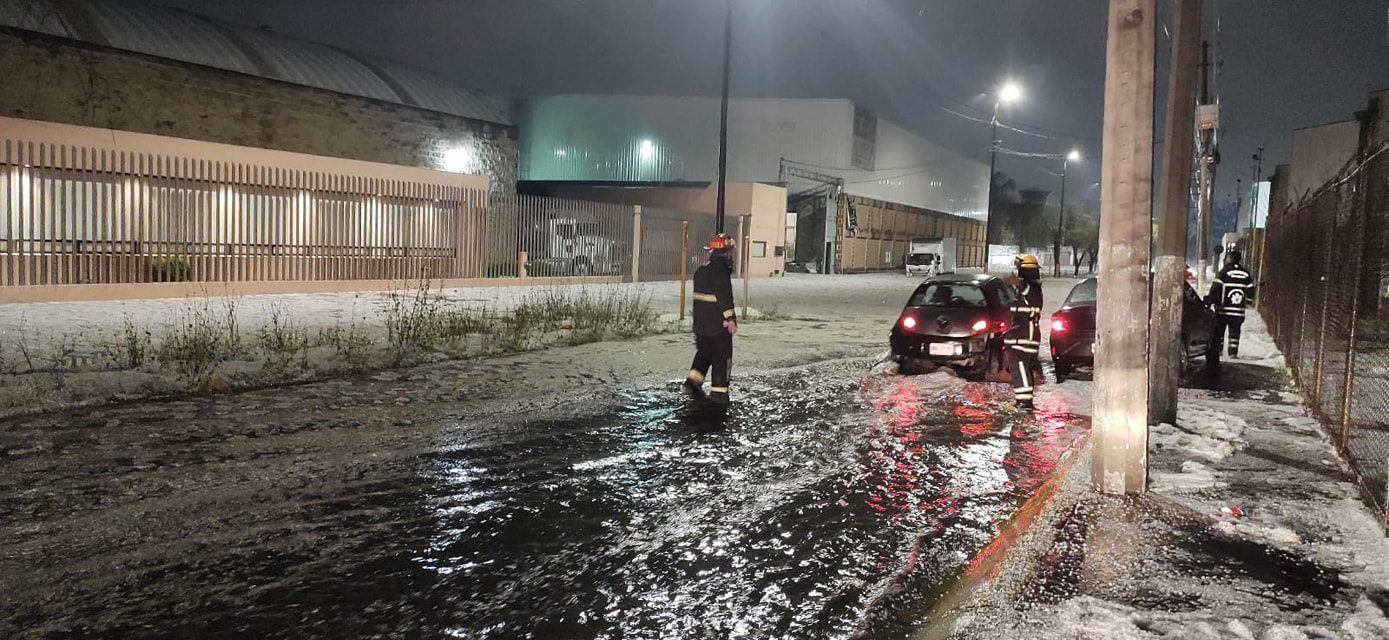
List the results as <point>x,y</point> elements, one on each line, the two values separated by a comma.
<point>142,68</point>
<point>833,157</point>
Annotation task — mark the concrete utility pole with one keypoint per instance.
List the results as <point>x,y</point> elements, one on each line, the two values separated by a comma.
<point>1166,357</point>
<point>1120,462</point>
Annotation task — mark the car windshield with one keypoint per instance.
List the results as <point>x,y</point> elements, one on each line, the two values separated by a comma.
<point>921,258</point>
<point>954,295</point>
<point>1083,293</point>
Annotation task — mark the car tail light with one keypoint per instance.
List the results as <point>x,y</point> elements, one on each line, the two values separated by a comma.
<point>1058,325</point>
<point>908,322</point>
<point>981,326</point>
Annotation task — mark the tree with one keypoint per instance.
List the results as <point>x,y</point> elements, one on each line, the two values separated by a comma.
<point>1082,235</point>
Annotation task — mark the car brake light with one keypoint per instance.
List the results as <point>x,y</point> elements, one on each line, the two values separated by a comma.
<point>981,326</point>
<point>908,322</point>
<point>1058,325</point>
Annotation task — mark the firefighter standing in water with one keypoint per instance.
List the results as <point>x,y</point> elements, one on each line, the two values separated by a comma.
<point>1232,290</point>
<point>715,321</point>
<point>1024,336</point>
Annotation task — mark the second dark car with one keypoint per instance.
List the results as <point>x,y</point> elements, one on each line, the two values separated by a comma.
<point>1072,331</point>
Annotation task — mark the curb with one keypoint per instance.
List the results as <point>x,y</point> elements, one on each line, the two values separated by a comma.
<point>947,614</point>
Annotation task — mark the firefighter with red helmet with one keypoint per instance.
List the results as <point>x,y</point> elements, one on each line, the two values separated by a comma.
<point>715,321</point>
<point>1024,336</point>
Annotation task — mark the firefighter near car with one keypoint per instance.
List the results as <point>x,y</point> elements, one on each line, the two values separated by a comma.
<point>715,322</point>
<point>1024,336</point>
<point>1230,293</point>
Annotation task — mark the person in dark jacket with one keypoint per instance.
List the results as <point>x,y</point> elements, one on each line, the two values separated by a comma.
<point>1230,293</point>
<point>715,321</point>
<point>1024,336</point>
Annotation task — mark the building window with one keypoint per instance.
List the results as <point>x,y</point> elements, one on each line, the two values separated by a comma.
<point>759,249</point>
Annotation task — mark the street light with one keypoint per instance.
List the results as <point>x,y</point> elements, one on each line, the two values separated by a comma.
<point>1073,156</point>
<point>1008,93</point>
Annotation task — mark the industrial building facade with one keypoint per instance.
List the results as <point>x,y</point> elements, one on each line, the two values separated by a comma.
<point>822,151</point>
<point>132,66</point>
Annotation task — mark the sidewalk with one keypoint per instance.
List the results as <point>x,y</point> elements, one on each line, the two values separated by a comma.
<point>1251,530</point>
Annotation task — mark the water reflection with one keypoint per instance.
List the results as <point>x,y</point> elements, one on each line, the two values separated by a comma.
<point>799,513</point>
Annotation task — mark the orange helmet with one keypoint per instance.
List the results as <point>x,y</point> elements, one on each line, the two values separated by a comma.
<point>721,242</point>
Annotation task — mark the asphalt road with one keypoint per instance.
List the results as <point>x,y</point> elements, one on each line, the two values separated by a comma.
<point>566,494</point>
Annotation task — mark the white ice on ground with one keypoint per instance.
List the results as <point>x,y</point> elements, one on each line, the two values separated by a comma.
<point>1193,477</point>
<point>1258,455</point>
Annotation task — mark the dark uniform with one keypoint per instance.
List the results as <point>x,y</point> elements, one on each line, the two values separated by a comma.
<point>1231,292</point>
<point>713,313</point>
<point>1024,336</point>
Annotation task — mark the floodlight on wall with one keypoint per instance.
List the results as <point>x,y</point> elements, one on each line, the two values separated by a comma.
<point>459,160</point>
<point>647,150</point>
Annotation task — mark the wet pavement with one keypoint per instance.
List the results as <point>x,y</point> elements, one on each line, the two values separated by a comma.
<point>829,502</point>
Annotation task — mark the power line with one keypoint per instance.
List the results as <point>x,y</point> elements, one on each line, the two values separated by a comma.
<point>857,169</point>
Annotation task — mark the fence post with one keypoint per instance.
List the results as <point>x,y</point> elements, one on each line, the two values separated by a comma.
<point>684,262</point>
<point>745,226</point>
<point>636,243</point>
<point>521,260</point>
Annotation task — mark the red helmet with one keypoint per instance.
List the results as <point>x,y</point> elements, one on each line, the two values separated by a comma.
<point>721,242</point>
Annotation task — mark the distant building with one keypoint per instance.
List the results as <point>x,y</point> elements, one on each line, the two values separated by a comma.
<point>824,151</point>
<point>1320,153</point>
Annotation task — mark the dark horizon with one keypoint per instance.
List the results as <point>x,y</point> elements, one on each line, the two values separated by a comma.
<point>1279,69</point>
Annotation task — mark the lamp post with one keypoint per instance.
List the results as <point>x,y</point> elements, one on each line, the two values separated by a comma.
<point>720,206</point>
<point>1073,156</point>
<point>1009,92</point>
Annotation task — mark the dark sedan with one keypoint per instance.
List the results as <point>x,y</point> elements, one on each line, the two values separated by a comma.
<point>954,321</point>
<point>1073,328</point>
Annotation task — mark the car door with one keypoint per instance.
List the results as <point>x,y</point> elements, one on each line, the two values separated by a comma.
<point>1198,321</point>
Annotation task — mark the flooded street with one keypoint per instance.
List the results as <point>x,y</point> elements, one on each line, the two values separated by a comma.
<point>828,503</point>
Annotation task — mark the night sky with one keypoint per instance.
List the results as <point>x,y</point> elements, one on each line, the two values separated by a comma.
<point>1287,64</point>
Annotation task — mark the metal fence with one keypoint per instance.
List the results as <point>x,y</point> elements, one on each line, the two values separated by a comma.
<point>662,234</point>
<point>1323,296</point>
<point>539,236</point>
<point>73,215</point>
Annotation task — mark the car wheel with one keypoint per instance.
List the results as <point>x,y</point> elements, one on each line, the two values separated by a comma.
<point>1063,367</point>
<point>972,374</point>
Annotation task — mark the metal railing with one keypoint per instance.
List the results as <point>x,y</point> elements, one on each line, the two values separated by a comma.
<point>74,215</point>
<point>1322,292</point>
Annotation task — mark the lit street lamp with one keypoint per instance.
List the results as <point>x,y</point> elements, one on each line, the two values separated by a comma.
<point>1008,93</point>
<point>1073,156</point>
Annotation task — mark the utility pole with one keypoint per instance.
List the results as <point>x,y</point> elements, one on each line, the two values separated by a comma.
<point>1239,201</point>
<point>1209,115</point>
<point>1061,215</point>
<point>721,206</point>
<point>1009,92</point>
<point>1120,462</point>
<point>1169,271</point>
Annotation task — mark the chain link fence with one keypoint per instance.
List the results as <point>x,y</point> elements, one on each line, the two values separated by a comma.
<point>1322,269</point>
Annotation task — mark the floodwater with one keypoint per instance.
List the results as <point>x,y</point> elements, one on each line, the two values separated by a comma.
<point>823,505</point>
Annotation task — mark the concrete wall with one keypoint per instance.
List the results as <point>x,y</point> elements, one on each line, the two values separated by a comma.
<point>40,132</point>
<point>765,204</point>
<point>885,229</point>
<point>917,172</point>
<point>59,80</point>
<point>1319,154</point>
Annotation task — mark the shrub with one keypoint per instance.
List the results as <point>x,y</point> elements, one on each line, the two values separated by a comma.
<point>170,269</point>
